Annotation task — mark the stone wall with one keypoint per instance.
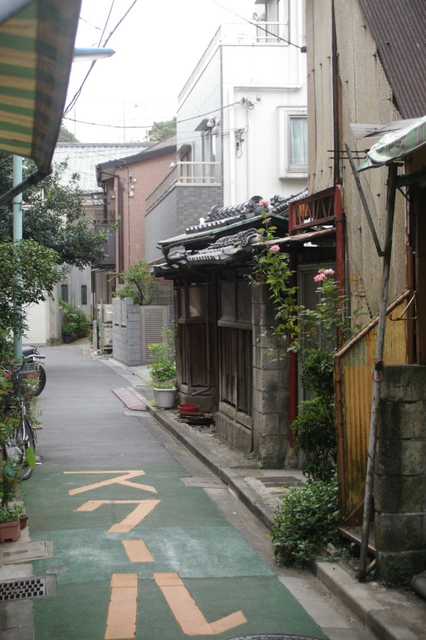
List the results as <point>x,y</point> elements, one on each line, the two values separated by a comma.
<point>400,474</point>
<point>270,384</point>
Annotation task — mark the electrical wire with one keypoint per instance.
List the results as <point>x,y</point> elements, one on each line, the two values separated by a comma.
<point>79,90</point>
<point>243,102</point>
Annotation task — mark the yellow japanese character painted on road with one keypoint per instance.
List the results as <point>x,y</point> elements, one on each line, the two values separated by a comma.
<point>142,509</point>
<point>123,479</point>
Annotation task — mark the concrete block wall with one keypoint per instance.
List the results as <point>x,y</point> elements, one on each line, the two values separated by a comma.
<point>126,340</point>
<point>400,474</point>
<point>270,384</point>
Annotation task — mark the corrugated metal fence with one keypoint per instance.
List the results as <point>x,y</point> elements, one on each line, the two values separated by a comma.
<point>354,365</point>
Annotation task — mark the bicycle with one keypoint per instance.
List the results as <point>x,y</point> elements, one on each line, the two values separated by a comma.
<point>31,363</point>
<point>21,439</point>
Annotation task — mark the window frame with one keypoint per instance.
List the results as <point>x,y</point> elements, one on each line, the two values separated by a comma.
<point>285,167</point>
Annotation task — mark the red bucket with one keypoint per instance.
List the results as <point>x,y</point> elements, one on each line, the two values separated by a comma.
<point>189,408</point>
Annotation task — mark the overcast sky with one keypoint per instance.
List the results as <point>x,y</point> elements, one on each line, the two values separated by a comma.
<point>157,46</point>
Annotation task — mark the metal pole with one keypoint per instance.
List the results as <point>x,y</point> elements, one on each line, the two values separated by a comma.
<point>17,237</point>
<point>368,497</point>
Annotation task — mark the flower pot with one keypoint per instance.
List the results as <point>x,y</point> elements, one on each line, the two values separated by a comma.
<point>164,398</point>
<point>23,520</point>
<point>67,338</point>
<point>10,531</point>
<point>189,408</point>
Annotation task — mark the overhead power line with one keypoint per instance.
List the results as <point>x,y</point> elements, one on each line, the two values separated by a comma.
<point>247,104</point>
<point>79,90</point>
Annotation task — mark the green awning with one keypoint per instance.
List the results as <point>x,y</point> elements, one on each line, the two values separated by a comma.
<point>396,145</point>
<point>36,52</point>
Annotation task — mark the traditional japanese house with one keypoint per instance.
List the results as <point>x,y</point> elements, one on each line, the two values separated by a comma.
<point>226,361</point>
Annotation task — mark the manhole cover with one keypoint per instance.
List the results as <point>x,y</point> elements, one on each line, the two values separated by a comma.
<point>273,637</point>
<point>27,588</point>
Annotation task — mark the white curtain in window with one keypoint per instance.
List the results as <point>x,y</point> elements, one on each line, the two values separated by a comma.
<point>298,141</point>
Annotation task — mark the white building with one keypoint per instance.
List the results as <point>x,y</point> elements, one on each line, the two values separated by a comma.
<point>241,123</point>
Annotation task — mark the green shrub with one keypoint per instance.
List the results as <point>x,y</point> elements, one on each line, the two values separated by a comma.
<point>74,321</point>
<point>306,521</point>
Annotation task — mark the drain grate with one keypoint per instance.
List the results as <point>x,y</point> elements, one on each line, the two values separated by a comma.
<point>23,589</point>
<point>278,481</point>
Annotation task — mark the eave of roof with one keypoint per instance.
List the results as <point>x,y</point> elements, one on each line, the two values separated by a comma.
<point>213,232</point>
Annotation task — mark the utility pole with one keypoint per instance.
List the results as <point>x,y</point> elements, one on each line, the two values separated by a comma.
<point>17,237</point>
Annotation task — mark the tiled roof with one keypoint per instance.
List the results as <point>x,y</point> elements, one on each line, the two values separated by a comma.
<point>399,30</point>
<point>83,158</point>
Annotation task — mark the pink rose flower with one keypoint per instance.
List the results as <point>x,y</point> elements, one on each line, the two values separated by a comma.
<point>319,277</point>
<point>275,247</point>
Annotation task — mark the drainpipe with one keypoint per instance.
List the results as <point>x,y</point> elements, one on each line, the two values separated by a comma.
<point>231,138</point>
<point>336,145</point>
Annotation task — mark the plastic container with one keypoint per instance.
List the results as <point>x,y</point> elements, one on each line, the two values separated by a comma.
<point>189,408</point>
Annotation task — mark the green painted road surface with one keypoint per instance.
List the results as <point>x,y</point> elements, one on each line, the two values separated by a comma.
<point>219,586</point>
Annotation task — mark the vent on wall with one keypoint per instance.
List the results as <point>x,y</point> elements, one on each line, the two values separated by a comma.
<point>153,320</point>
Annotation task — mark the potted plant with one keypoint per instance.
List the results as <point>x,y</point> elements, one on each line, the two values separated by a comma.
<point>75,323</point>
<point>163,370</point>
<point>10,514</point>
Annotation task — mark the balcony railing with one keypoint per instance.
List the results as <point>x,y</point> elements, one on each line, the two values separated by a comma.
<point>186,174</point>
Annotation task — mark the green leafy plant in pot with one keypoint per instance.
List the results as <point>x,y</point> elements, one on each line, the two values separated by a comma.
<point>10,514</point>
<point>163,370</point>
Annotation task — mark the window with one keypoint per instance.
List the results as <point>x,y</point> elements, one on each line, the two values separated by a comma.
<point>293,142</point>
<point>64,292</point>
<point>276,19</point>
<point>235,303</point>
<point>83,294</point>
<point>298,142</point>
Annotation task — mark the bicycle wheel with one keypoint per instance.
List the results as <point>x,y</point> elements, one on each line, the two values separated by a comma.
<point>41,380</point>
<point>19,440</point>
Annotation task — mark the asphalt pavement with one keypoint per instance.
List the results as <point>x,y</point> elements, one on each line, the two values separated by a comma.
<point>99,550</point>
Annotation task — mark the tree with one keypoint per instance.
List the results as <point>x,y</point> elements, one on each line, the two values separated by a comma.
<point>38,271</point>
<point>54,216</point>
<point>139,285</point>
<point>162,130</point>
<point>65,135</point>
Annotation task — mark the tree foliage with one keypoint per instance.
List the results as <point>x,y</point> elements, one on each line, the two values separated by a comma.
<point>162,130</point>
<point>53,215</point>
<point>65,135</point>
<point>28,271</point>
<point>139,284</point>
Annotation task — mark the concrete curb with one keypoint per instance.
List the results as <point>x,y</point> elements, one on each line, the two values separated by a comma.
<point>374,615</point>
